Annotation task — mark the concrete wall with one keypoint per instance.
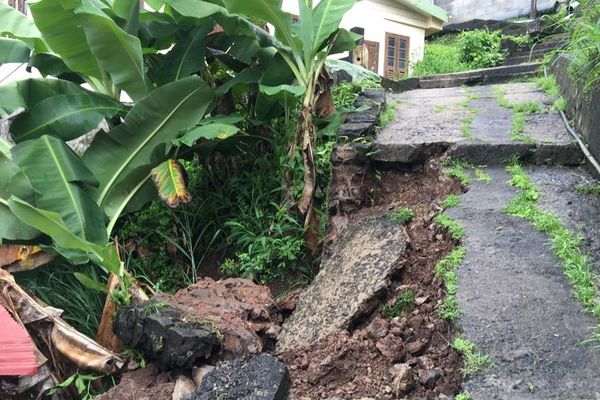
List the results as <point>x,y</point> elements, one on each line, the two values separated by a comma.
<point>583,107</point>
<point>466,10</point>
<point>377,17</point>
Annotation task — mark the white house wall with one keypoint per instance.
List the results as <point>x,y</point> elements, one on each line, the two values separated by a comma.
<point>378,18</point>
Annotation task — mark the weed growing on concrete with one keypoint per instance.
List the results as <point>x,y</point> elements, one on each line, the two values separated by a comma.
<point>402,216</point>
<point>521,111</point>
<point>566,244</point>
<point>463,396</point>
<point>482,176</point>
<point>549,85</point>
<point>453,227</point>
<point>439,108</point>
<point>451,201</point>
<point>474,360</point>
<point>404,303</point>
<point>388,115</point>
<point>456,169</point>
<point>589,188</point>
<point>447,269</point>
<point>465,128</point>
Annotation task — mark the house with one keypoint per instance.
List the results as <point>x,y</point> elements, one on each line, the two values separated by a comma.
<point>394,32</point>
<point>467,10</point>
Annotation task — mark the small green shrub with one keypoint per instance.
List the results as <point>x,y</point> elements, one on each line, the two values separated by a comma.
<point>480,48</point>
<point>440,57</point>
<point>402,216</point>
<point>474,360</point>
<point>388,115</point>
<point>451,201</point>
<point>404,303</point>
<point>453,227</point>
<point>345,94</point>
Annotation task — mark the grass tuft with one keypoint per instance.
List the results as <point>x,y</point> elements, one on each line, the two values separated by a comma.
<point>451,201</point>
<point>463,396</point>
<point>453,227</point>
<point>404,303</point>
<point>456,169</point>
<point>402,216</point>
<point>482,176</point>
<point>388,115</point>
<point>589,188</point>
<point>447,269</point>
<point>474,360</point>
<point>521,111</point>
<point>566,244</point>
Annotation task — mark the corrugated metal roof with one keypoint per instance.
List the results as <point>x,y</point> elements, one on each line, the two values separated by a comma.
<point>17,356</point>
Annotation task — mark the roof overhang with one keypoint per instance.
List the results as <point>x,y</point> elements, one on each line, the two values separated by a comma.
<point>424,7</point>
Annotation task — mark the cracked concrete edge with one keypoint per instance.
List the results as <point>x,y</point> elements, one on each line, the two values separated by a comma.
<point>480,153</point>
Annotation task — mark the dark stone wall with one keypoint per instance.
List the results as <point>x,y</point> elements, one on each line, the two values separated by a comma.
<point>583,107</point>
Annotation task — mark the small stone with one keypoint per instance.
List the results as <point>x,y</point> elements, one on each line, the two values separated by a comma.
<point>198,374</point>
<point>184,387</point>
<point>421,300</point>
<point>428,378</point>
<point>378,328</point>
<point>392,348</point>
<point>403,379</point>
<point>415,347</point>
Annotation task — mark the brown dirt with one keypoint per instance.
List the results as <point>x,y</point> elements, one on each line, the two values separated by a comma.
<point>408,356</point>
<point>142,384</point>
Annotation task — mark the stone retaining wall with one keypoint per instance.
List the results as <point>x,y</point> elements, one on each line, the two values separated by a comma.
<point>583,107</point>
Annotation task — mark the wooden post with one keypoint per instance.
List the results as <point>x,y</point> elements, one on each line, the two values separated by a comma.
<point>533,13</point>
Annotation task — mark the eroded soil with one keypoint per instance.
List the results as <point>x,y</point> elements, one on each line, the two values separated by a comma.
<point>408,356</point>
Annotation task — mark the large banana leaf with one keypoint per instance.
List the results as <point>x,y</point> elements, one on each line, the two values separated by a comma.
<point>60,179</point>
<point>170,183</point>
<point>29,92</point>
<point>50,64</point>
<point>65,241</point>
<point>13,182</point>
<point>209,132</point>
<point>195,8</point>
<point>19,26</point>
<point>123,158</point>
<point>327,17</point>
<point>66,116</point>
<point>187,56</point>
<point>270,11</point>
<point>129,12</point>
<point>117,52</point>
<point>65,35</point>
<point>13,51</point>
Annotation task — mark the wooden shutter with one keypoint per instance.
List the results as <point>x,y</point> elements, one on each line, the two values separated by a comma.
<point>397,55</point>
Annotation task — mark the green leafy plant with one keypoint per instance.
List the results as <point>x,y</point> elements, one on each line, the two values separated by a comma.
<point>457,169</point>
<point>447,269</point>
<point>402,216</point>
<point>82,383</point>
<point>463,396</point>
<point>566,244</point>
<point>442,56</point>
<point>388,115</point>
<point>451,201</point>
<point>405,303</point>
<point>453,227</point>
<point>474,360</point>
<point>480,48</point>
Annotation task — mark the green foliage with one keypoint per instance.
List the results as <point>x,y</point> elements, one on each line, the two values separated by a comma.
<point>405,303</point>
<point>584,30</point>
<point>55,284</point>
<point>480,48</point>
<point>441,57</point>
<point>447,269</point>
<point>82,383</point>
<point>566,244</point>
<point>451,201</point>
<point>522,42</point>
<point>402,216</point>
<point>453,227</point>
<point>474,360</point>
<point>549,85</point>
<point>463,396</point>
<point>388,115</point>
<point>465,128</point>
<point>521,111</point>
<point>456,169</point>
<point>345,94</point>
<point>482,176</point>
<point>589,188</point>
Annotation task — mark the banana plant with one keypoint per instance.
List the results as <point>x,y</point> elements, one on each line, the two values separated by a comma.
<point>304,46</point>
<point>69,202</point>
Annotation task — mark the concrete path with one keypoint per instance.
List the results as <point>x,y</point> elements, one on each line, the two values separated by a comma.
<point>517,303</point>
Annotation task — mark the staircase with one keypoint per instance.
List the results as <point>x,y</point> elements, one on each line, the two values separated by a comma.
<point>535,52</point>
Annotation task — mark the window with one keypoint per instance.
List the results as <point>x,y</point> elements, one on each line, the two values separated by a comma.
<point>19,5</point>
<point>397,55</point>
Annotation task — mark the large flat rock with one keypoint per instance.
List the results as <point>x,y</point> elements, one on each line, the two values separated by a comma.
<point>517,304</point>
<point>350,280</point>
<point>430,121</point>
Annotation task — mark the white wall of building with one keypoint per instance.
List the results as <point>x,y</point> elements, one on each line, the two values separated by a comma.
<point>378,17</point>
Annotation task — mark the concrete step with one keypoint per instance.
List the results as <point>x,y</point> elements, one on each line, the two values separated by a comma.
<point>516,60</point>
